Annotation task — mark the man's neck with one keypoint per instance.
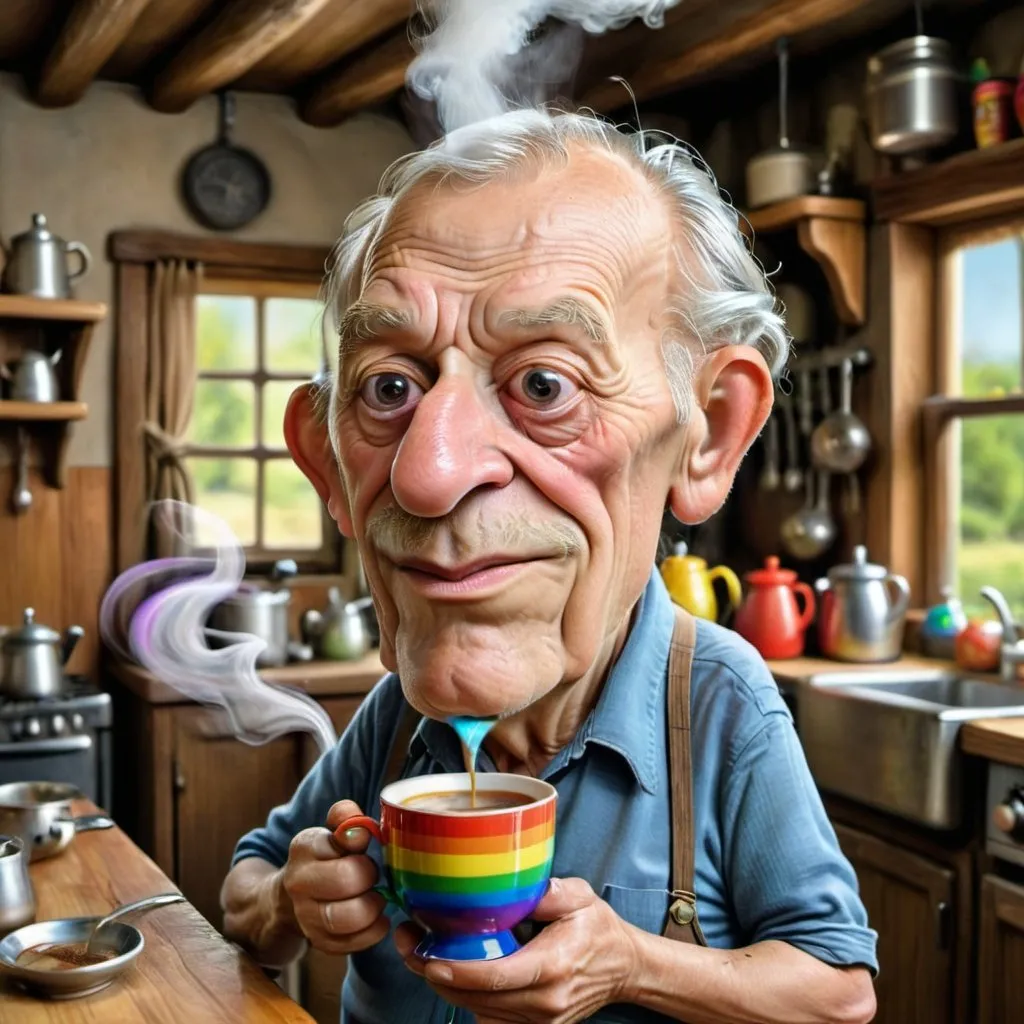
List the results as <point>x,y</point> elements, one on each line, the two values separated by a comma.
<point>526,742</point>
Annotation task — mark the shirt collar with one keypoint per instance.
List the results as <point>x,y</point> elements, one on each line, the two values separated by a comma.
<point>628,713</point>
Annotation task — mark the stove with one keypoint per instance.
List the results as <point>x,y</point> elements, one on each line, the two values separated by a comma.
<point>1004,836</point>
<point>59,739</point>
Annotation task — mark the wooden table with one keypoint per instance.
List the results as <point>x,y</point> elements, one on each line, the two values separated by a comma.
<point>187,973</point>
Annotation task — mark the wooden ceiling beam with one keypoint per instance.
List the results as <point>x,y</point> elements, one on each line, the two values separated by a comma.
<point>342,28</point>
<point>241,35</point>
<point>756,32</point>
<point>371,78</point>
<point>93,31</point>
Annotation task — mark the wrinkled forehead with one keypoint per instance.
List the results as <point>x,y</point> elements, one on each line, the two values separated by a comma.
<point>590,221</point>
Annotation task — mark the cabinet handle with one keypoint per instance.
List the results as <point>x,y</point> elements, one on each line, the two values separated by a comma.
<point>943,925</point>
<point>179,779</point>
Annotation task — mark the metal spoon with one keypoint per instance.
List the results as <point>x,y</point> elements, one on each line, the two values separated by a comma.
<point>811,531</point>
<point>793,477</point>
<point>841,442</point>
<point>21,499</point>
<point>147,903</point>
<point>770,473</point>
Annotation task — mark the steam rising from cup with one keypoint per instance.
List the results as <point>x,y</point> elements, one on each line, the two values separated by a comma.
<point>156,613</point>
<point>484,57</point>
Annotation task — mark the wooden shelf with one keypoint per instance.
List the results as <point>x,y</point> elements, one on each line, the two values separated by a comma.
<point>978,183</point>
<point>43,412</point>
<point>27,307</point>
<point>832,232</point>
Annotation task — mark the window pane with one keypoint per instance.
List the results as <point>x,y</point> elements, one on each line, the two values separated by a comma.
<point>991,536</point>
<point>291,508</point>
<point>275,400</point>
<point>991,318</point>
<point>224,414</point>
<point>227,488</point>
<point>225,332</point>
<point>292,336</point>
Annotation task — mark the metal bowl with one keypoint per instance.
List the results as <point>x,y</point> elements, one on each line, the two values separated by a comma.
<point>122,939</point>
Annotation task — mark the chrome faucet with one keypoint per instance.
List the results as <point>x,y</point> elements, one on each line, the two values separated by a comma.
<point>1011,652</point>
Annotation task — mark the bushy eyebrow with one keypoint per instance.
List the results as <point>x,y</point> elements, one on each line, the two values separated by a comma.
<point>363,321</point>
<point>567,311</point>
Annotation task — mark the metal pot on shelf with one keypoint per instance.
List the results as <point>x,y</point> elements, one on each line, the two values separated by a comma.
<point>340,632</point>
<point>785,170</point>
<point>32,659</point>
<point>912,96</point>
<point>862,611</point>
<point>32,378</point>
<point>262,612</point>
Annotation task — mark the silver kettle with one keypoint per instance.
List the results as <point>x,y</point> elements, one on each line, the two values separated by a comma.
<point>32,378</point>
<point>37,263</point>
<point>862,611</point>
<point>339,632</point>
<point>32,659</point>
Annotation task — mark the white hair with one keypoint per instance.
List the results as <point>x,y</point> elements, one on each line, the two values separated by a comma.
<point>722,295</point>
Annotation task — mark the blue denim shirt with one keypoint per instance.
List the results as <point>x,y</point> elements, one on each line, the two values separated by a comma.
<point>767,862</point>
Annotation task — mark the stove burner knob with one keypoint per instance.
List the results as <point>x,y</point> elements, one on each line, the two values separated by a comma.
<point>1008,816</point>
<point>77,722</point>
<point>17,728</point>
<point>33,727</point>
<point>58,725</point>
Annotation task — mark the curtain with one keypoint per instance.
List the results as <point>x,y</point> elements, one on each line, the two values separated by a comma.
<point>170,390</point>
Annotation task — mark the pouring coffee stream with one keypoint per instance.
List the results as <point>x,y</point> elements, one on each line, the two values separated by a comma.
<point>471,733</point>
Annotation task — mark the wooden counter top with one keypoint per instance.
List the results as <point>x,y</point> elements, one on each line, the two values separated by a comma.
<point>317,678</point>
<point>798,670</point>
<point>996,739</point>
<point>186,973</point>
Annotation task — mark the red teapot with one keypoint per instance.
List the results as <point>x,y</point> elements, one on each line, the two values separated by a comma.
<point>770,617</point>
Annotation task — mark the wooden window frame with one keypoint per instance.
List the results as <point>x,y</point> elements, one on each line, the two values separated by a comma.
<point>917,214</point>
<point>325,558</point>
<point>133,254</point>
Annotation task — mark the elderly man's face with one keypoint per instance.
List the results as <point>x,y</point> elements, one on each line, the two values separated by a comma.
<point>507,437</point>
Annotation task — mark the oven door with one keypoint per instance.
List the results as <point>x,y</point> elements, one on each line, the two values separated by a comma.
<point>71,759</point>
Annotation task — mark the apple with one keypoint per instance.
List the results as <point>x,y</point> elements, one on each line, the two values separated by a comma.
<point>977,646</point>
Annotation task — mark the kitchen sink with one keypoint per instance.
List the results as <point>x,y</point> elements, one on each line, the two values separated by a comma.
<point>889,739</point>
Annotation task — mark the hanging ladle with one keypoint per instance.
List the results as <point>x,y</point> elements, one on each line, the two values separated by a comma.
<point>841,442</point>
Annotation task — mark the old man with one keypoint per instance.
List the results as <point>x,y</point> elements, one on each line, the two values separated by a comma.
<point>550,331</point>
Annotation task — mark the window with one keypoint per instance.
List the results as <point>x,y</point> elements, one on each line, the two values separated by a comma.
<point>255,343</point>
<point>977,421</point>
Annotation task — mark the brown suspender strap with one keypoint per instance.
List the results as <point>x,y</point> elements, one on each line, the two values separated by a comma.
<point>400,743</point>
<point>681,923</point>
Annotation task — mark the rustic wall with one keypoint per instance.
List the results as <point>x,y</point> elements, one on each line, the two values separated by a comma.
<point>110,162</point>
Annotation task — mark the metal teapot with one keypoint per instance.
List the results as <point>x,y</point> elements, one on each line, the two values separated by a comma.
<point>32,659</point>
<point>339,632</point>
<point>862,611</point>
<point>32,378</point>
<point>37,262</point>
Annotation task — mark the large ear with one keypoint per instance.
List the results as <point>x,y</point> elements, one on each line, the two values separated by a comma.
<point>305,433</point>
<point>732,399</point>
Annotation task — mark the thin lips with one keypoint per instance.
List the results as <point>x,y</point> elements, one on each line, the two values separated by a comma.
<point>455,573</point>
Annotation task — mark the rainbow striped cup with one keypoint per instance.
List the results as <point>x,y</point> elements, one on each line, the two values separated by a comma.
<point>468,877</point>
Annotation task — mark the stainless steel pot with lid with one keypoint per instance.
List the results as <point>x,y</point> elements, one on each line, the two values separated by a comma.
<point>32,659</point>
<point>912,96</point>
<point>862,609</point>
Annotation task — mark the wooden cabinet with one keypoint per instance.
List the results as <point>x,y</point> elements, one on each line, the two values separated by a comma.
<point>911,902</point>
<point>1001,952</point>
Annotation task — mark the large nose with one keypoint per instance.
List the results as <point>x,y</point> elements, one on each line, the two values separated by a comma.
<point>448,450</point>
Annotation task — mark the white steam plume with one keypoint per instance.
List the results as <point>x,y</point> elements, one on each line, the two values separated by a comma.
<point>163,606</point>
<point>473,64</point>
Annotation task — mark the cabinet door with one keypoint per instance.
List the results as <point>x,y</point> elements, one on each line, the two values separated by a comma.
<point>909,901</point>
<point>223,788</point>
<point>1001,952</point>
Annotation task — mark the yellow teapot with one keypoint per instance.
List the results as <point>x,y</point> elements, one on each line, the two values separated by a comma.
<point>690,583</point>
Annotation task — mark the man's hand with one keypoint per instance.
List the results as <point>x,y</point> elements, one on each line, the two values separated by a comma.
<point>330,886</point>
<point>579,963</point>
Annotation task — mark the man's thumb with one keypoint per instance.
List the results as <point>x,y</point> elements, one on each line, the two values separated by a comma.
<point>564,896</point>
